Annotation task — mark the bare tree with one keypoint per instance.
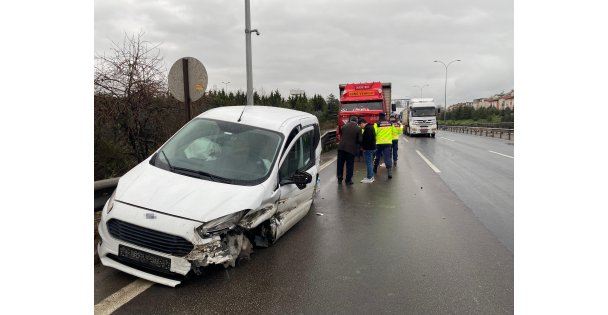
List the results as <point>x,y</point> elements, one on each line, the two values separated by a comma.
<point>130,83</point>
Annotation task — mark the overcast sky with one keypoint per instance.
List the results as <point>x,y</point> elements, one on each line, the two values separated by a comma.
<point>315,45</point>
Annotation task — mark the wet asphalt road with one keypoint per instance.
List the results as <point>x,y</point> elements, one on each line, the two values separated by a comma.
<point>473,167</point>
<point>409,245</point>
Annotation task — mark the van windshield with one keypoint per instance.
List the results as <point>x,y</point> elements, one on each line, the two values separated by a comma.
<point>423,111</point>
<point>220,151</point>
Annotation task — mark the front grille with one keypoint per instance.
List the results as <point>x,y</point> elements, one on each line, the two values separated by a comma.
<point>144,237</point>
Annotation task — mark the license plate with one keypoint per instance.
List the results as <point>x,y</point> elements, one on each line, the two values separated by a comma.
<point>144,258</point>
<point>424,130</point>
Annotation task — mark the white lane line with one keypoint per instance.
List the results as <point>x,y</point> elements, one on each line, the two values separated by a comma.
<point>126,294</point>
<point>428,162</point>
<point>327,163</point>
<point>122,296</point>
<point>405,139</point>
<point>447,139</point>
<point>502,154</point>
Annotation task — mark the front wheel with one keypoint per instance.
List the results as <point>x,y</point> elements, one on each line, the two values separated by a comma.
<point>432,135</point>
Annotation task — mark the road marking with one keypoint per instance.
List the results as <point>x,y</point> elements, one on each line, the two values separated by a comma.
<point>122,296</point>
<point>502,154</point>
<point>327,163</point>
<point>405,139</point>
<point>428,162</point>
<point>447,139</point>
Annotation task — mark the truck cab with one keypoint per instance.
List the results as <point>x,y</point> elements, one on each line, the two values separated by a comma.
<point>419,118</point>
<point>363,100</point>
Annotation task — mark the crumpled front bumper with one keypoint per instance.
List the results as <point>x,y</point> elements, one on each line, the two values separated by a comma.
<point>217,249</point>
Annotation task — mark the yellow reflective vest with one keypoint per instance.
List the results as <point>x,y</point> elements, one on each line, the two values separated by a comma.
<point>397,129</point>
<point>384,132</point>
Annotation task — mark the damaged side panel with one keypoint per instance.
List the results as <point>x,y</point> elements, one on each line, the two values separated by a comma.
<point>255,218</point>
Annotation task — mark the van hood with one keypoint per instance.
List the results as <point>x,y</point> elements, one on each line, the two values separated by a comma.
<point>156,189</point>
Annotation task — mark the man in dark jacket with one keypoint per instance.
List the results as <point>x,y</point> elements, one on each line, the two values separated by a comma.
<point>369,148</point>
<point>350,136</point>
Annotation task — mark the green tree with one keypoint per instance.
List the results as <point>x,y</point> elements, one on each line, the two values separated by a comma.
<point>333,107</point>
<point>318,103</point>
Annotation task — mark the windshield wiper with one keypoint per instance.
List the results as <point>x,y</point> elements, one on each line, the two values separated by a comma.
<point>194,173</point>
<point>167,159</point>
<point>215,178</point>
<point>201,174</point>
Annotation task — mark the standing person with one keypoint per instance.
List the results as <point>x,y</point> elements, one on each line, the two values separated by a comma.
<point>350,136</point>
<point>369,147</point>
<point>397,129</point>
<point>384,144</point>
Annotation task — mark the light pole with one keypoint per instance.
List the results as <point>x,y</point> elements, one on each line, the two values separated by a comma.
<point>421,87</point>
<point>248,32</point>
<point>226,85</point>
<point>445,89</point>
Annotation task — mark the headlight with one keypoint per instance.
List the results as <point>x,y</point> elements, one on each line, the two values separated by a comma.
<point>226,222</point>
<point>110,202</point>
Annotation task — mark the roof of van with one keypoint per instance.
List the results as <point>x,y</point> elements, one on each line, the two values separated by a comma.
<point>266,117</point>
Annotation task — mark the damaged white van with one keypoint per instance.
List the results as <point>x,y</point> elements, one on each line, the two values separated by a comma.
<point>231,177</point>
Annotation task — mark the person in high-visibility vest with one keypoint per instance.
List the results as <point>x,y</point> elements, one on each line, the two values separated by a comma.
<point>397,129</point>
<point>384,143</point>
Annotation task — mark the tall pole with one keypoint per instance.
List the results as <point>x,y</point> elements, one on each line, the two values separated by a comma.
<point>226,86</point>
<point>445,96</point>
<point>186,89</point>
<point>421,87</point>
<point>248,48</point>
<point>445,89</point>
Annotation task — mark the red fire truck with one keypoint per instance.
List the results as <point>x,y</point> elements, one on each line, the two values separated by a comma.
<point>364,100</point>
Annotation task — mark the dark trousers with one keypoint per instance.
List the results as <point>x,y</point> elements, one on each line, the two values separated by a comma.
<point>349,159</point>
<point>383,151</point>
<point>395,148</point>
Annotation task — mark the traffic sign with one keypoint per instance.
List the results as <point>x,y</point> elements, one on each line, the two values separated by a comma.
<point>197,79</point>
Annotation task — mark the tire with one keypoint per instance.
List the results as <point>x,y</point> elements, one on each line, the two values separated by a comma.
<point>432,135</point>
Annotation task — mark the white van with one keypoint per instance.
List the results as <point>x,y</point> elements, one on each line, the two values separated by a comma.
<point>231,177</point>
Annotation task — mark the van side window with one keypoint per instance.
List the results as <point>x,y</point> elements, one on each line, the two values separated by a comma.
<point>292,135</point>
<point>300,157</point>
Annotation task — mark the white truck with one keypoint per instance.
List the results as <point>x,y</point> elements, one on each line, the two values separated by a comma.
<point>419,117</point>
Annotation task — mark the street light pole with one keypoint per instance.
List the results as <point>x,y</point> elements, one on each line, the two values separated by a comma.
<point>226,85</point>
<point>421,87</point>
<point>248,32</point>
<point>445,89</point>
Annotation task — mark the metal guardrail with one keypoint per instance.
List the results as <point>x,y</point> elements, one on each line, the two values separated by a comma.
<point>105,187</point>
<point>328,140</point>
<point>103,191</point>
<point>510,133</point>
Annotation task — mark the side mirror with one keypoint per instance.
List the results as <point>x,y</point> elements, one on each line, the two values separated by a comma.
<point>300,179</point>
<point>438,110</point>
